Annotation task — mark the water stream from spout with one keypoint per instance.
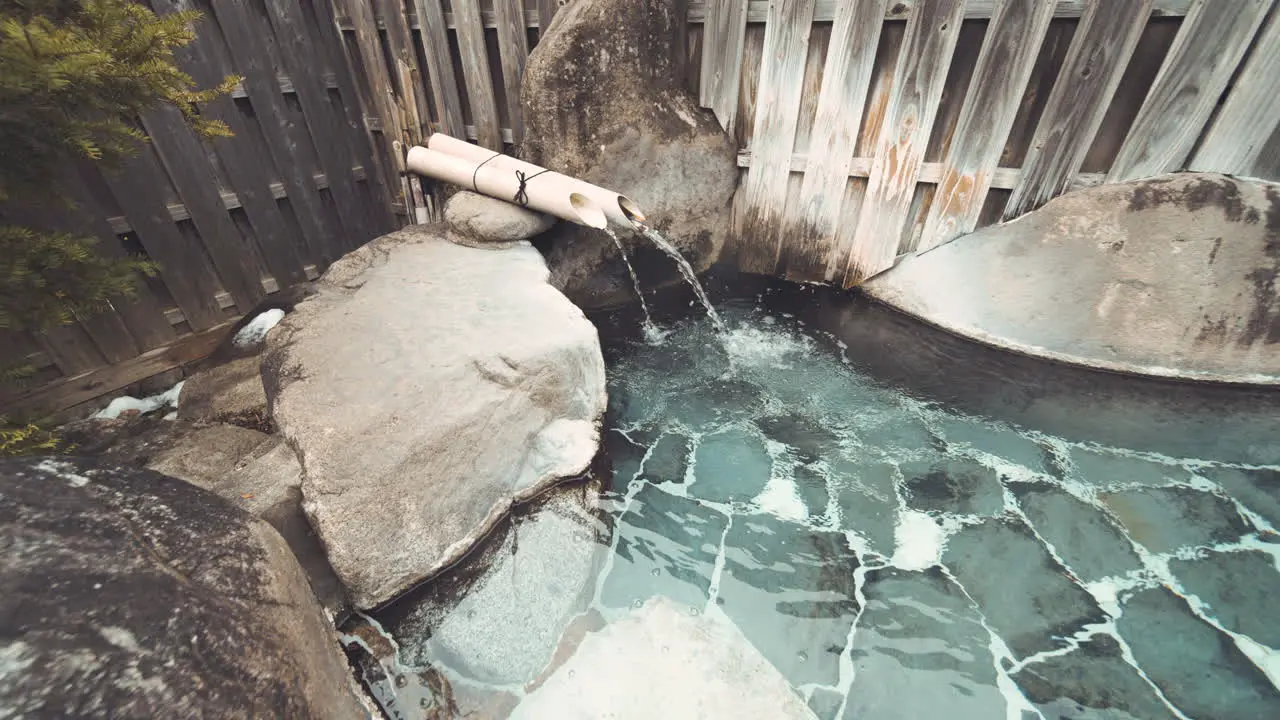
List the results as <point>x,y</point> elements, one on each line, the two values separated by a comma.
<point>687,271</point>
<point>651,331</point>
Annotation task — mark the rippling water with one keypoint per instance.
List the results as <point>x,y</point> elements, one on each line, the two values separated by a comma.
<point>907,528</point>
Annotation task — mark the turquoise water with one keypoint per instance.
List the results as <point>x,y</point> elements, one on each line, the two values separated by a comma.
<point>903,527</point>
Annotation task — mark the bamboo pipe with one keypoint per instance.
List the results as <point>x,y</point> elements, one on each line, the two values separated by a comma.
<point>620,209</point>
<point>551,193</point>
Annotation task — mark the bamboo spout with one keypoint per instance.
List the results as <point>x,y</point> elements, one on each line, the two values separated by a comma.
<point>551,193</point>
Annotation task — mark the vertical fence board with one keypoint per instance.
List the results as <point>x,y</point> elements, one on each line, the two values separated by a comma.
<point>513,46</point>
<point>184,269</point>
<point>406,78</point>
<point>1103,43</point>
<point>243,157</point>
<point>323,119</point>
<point>71,349</point>
<point>434,37</point>
<point>1004,67</point>
<point>786,39</point>
<point>926,53</point>
<point>723,37</point>
<point>475,69</point>
<point>846,79</point>
<point>183,157</point>
<point>546,12</point>
<point>1209,46</point>
<point>1250,117</point>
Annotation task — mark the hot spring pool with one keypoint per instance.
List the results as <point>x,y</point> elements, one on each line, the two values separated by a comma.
<point>904,525</point>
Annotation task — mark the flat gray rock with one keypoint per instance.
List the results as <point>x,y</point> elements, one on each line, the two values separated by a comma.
<point>480,221</point>
<point>427,387</point>
<point>128,594</point>
<point>663,661</point>
<point>231,392</point>
<point>1168,276</point>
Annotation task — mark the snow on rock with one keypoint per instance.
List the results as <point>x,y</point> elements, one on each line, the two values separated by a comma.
<point>426,387</point>
<point>142,406</point>
<point>257,329</point>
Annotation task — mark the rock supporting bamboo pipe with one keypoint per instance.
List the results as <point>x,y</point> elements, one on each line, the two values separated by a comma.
<point>551,193</point>
<point>620,209</point>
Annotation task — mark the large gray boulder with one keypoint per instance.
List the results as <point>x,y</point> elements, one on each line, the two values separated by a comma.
<point>427,387</point>
<point>128,594</point>
<point>604,101</point>
<point>668,661</point>
<point>1170,276</point>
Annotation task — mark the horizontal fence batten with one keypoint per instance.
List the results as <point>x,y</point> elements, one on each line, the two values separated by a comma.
<point>825,11</point>
<point>1004,178</point>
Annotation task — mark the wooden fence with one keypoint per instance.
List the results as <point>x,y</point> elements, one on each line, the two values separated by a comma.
<point>867,128</point>
<point>881,127</point>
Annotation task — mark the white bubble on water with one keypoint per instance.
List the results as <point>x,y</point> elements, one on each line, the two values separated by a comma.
<point>919,541</point>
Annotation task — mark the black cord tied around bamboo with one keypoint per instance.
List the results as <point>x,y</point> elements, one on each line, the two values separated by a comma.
<point>521,198</point>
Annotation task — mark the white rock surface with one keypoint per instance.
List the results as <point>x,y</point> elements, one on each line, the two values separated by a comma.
<point>663,662</point>
<point>426,387</point>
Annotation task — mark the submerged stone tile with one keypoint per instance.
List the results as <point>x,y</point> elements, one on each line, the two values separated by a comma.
<point>1092,681</point>
<point>994,439</point>
<point>730,465</point>
<point>791,589</point>
<point>867,497</point>
<point>1022,591</point>
<point>1200,670</point>
<point>669,459</point>
<point>1165,519</point>
<point>1084,537</point>
<point>667,545</point>
<point>1257,489</point>
<point>825,703</point>
<point>1101,469</point>
<point>1240,588</point>
<point>953,485</point>
<point>920,651</point>
<point>808,439</point>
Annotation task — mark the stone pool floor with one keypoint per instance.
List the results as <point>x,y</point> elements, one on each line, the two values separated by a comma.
<point>889,556</point>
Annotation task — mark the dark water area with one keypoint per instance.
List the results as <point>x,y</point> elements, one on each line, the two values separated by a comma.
<point>904,524</point>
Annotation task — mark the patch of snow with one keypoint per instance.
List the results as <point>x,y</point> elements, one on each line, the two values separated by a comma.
<point>256,331</point>
<point>63,470</point>
<point>919,541</point>
<point>122,405</point>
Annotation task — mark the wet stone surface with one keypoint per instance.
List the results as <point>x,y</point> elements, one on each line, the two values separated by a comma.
<point>885,554</point>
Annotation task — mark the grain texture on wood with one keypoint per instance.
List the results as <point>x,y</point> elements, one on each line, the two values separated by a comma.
<point>287,142</point>
<point>1210,44</point>
<point>434,38</point>
<point>1004,67</point>
<point>70,348</point>
<point>752,60</point>
<point>1103,43</point>
<point>786,40</point>
<point>185,160</point>
<point>1250,117</point>
<point>189,277</point>
<point>930,40</point>
<point>475,69</point>
<point>513,48</point>
<point>406,78</point>
<point>723,39</point>
<point>546,12</point>
<point>846,77</point>
<point>825,10</point>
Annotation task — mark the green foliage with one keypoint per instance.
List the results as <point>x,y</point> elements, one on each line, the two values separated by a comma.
<point>74,76</point>
<point>25,439</point>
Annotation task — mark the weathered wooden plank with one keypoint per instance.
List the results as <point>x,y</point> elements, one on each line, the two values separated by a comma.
<point>324,120</point>
<point>406,78</point>
<point>434,37</point>
<point>810,86</point>
<point>70,348</point>
<point>723,37</point>
<point>513,48</point>
<point>1003,178</point>
<point>786,39</point>
<point>546,11</point>
<point>242,157</point>
<point>1250,116</point>
<point>85,386</point>
<point>184,157</point>
<point>184,269</point>
<point>826,10</point>
<point>1004,67</point>
<point>846,79</point>
<point>1210,44</point>
<point>287,142</point>
<point>917,89</point>
<point>475,68</point>
<point>752,61</point>
<point>1105,39</point>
